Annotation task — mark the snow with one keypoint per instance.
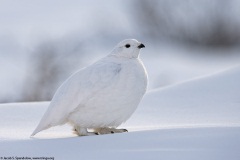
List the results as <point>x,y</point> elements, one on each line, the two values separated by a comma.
<point>210,100</point>
<point>190,112</point>
<point>204,143</point>
<point>195,119</point>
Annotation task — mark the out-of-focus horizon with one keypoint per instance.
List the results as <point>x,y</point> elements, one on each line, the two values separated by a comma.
<point>44,42</point>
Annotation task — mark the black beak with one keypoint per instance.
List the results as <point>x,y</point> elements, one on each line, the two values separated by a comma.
<point>141,46</point>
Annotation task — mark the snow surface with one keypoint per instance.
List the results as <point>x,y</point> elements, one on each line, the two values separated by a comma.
<point>196,119</point>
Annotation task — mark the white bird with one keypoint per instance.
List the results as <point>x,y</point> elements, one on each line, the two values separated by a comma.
<point>101,96</point>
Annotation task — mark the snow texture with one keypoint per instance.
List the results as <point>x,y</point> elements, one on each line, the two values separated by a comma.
<point>197,119</point>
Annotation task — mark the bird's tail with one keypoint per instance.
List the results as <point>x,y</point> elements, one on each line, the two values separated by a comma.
<point>35,132</point>
<point>40,128</point>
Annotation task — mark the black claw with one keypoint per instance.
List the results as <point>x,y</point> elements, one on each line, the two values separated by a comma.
<point>112,132</point>
<point>96,133</point>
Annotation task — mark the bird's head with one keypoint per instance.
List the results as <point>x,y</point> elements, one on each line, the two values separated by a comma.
<point>128,48</point>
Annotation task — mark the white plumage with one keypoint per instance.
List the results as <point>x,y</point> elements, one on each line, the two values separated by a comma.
<point>101,96</point>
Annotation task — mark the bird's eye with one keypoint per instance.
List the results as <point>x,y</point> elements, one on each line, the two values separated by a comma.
<point>127,45</point>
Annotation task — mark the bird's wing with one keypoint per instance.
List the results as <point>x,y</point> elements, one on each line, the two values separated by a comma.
<point>76,90</point>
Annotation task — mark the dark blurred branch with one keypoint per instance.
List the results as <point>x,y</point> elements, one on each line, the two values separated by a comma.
<point>51,64</point>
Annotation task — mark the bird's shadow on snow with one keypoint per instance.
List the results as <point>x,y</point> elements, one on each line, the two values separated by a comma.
<point>52,135</point>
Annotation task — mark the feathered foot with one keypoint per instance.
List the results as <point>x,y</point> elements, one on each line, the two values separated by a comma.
<point>109,130</point>
<point>83,131</point>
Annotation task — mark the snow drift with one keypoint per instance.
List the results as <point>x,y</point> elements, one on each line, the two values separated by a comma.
<point>197,119</point>
<point>212,100</point>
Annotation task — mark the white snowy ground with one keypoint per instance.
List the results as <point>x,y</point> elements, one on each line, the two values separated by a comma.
<point>198,119</point>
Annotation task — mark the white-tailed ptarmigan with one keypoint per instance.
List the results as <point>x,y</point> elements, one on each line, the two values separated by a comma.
<point>101,96</point>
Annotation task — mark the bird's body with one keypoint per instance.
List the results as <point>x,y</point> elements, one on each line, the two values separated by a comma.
<point>101,96</point>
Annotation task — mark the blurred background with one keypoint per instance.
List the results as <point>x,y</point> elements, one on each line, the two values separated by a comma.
<point>43,42</point>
